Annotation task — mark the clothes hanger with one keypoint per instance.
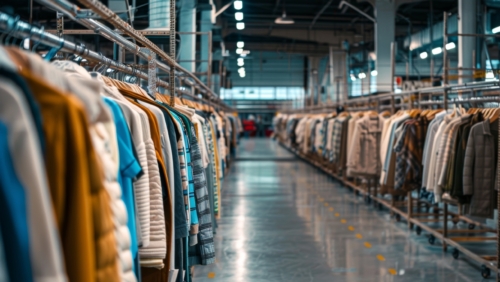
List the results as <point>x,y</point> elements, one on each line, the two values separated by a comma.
<point>53,52</point>
<point>494,116</point>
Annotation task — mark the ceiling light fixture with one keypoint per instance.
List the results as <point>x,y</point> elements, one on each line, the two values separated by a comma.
<point>374,72</point>
<point>362,75</point>
<point>241,63</point>
<point>239,51</point>
<point>424,55</point>
<point>284,19</point>
<point>238,16</point>
<point>496,29</point>
<point>238,5</point>
<point>437,51</point>
<point>240,44</point>
<point>450,46</point>
<point>240,60</point>
<point>240,26</point>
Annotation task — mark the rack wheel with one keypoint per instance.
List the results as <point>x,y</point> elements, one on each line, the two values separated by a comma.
<point>398,217</point>
<point>455,221</point>
<point>380,206</point>
<point>455,253</point>
<point>485,272</point>
<point>418,230</point>
<point>356,193</point>
<point>432,239</point>
<point>368,199</point>
<point>472,226</point>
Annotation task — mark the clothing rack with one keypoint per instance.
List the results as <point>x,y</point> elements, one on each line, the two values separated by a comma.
<point>84,17</point>
<point>405,209</point>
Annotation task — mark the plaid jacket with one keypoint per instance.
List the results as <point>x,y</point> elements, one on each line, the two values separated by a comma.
<point>205,250</point>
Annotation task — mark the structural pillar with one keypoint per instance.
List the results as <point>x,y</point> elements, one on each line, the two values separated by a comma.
<point>385,12</point>
<point>205,26</point>
<point>466,44</point>
<point>187,23</point>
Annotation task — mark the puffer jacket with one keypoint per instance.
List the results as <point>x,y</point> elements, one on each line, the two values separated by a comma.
<point>479,172</point>
<point>365,143</point>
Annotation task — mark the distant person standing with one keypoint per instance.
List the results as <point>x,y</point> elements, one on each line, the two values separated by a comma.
<point>260,127</point>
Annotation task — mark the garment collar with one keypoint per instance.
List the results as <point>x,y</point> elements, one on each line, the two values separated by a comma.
<point>486,127</point>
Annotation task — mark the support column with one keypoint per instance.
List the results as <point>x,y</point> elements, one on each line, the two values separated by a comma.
<point>187,23</point>
<point>466,44</point>
<point>385,11</point>
<point>205,26</point>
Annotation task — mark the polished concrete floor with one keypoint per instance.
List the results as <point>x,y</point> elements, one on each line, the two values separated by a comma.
<point>283,220</point>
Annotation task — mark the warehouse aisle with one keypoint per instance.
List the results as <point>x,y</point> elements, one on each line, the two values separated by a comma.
<point>283,220</point>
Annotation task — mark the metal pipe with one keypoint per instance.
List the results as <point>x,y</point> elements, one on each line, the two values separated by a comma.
<point>357,10</point>
<point>320,13</point>
<point>445,51</point>
<point>393,63</point>
<point>209,69</point>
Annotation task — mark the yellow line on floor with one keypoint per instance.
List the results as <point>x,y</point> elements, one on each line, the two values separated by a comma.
<point>211,275</point>
<point>331,209</point>
<point>393,271</point>
<point>351,228</point>
<point>343,221</point>
<point>380,257</point>
<point>368,245</point>
<point>359,236</point>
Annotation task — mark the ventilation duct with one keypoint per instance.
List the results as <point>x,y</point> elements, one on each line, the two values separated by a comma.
<point>159,14</point>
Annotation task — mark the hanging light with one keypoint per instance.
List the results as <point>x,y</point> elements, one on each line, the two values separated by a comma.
<point>238,16</point>
<point>496,29</point>
<point>353,77</point>
<point>424,55</point>
<point>238,5</point>
<point>361,75</point>
<point>284,19</point>
<point>241,63</point>
<point>241,60</point>
<point>437,51</point>
<point>374,72</point>
<point>240,44</point>
<point>239,51</point>
<point>240,25</point>
<point>450,46</point>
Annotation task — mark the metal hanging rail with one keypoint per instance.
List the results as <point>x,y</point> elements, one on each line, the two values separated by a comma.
<point>84,17</point>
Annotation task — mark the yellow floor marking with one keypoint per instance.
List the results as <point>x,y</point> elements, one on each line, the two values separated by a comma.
<point>326,204</point>
<point>337,214</point>
<point>351,228</point>
<point>331,209</point>
<point>343,221</point>
<point>368,245</point>
<point>380,257</point>
<point>321,199</point>
<point>359,236</point>
<point>393,271</point>
<point>211,275</point>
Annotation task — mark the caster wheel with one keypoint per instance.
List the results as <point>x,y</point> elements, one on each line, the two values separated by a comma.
<point>418,230</point>
<point>427,209</point>
<point>432,239</point>
<point>471,226</point>
<point>356,193</point>
<point>455,253</point>
<point>455,221</point>
<point>380,206</point>
<point>398,217</point>
<point>368,200</point>
<point>485,272</point>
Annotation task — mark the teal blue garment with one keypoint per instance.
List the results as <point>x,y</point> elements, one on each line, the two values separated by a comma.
<point>3,268</point>
<point>13,217</point>
<point>129,171</point>
<point>187,150</point>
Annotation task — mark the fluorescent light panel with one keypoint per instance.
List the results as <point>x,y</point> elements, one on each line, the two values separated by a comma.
<point>450,46</point>
<point>374,73</point>
<point>238,16</point>
<point>496,29</point>
<point>240,44</point>
<point>238,5</point>
<point>362,75</point>
<point>239,51</point>
<point>437,51</point>
<point>424,55</point>
<point>240,26</point>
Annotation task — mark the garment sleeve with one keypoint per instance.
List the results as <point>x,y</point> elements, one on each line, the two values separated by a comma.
<point>468,172</point>
<point>355,150</point>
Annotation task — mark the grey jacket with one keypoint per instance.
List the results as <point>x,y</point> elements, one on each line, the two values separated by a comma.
<point>366,142</point>
<point>479,172</point>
